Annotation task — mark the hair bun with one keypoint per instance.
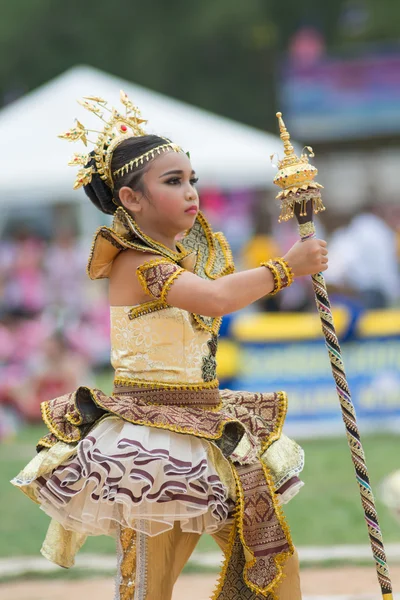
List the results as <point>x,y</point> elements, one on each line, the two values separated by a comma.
<point>98,191</point>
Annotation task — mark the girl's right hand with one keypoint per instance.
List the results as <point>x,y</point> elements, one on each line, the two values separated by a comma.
<point>308,257</point>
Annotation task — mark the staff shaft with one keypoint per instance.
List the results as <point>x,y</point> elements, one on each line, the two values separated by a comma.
<point>307,230</point>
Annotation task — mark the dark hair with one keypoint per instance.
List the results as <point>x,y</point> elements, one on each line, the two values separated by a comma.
<point>106,199</point>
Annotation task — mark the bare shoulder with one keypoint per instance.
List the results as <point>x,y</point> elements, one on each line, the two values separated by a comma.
<point>125,288</point>
<point>130,260</point>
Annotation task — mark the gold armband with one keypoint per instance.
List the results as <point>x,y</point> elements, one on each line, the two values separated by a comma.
<point>281,272</point>
<point>157,276</point>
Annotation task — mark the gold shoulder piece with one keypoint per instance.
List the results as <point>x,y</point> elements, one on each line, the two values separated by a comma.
<point>124,234</point>
<point>214,260</point>
<point>214,256</point>
<point>157,276</point>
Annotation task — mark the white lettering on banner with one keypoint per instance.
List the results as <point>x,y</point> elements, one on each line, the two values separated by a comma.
<point>373,399</point>
<point>304,361</point>
<point>317,399</point>
<point>288,361</point>
<point>372,355</point>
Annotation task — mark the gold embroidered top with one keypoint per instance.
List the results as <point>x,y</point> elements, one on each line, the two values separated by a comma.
<point>155,342</point>
<point>161,346</point>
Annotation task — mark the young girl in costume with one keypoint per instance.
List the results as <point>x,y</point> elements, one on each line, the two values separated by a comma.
<point>169,456</point>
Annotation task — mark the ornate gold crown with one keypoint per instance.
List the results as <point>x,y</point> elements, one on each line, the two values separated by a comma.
<point>117,128</point>
<point>295,177</point>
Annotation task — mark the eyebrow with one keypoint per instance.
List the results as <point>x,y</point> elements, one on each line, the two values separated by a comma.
<point>175,172</point>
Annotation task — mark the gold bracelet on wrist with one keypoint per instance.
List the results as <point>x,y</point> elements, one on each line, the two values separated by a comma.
<point>281,272</point>
<point>287,269</point>
<point>277,280</point>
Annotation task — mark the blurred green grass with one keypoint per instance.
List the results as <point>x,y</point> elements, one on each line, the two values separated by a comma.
<point>327,511</point>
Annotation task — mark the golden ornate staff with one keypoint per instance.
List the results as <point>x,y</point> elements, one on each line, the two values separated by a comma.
<point>301,197</point>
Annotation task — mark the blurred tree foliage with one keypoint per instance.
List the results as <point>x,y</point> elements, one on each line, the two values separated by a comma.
<point>222,55</point>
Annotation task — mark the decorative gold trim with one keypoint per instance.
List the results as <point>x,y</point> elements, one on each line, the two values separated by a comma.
<point>140,271</point>
<point>227,252</point>
<point>101,231</point>
<point>274,272</point>
<point>176,256</point>
<point>214,328</point>
<point>201,228</point>
<point>281,558</point>
<point>204,399</point>
<point>211,246</point>
<point>226,561</point>
<point>288,271</point>
<point>170,427</point>
<point>127,566</point>
<point>150,154</point>
<point>74,419</point>
<point>46,416</point>
<point>144,267</point>
<point>239,520</point>
<point>307,229</point>
<point>162,385</point>
<point>277,432</point>
<point>167,285</point>
<point>123,219</point>
<point>146,308</point>
<point>281,272</point>
<point>44,443</point>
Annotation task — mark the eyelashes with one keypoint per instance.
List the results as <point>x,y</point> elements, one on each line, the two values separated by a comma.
<point>177,180</point>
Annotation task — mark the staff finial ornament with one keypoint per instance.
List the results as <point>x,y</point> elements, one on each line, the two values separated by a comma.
<point>295,176</point>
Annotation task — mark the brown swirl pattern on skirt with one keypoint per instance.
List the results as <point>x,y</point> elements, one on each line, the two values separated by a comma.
<point>125,477</point>
<point>258,415</point>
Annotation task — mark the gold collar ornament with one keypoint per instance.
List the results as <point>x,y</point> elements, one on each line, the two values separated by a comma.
<point>117,128</point>
<point>295,177</point>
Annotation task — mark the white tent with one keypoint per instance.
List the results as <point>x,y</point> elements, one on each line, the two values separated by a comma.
<point>33,165</point>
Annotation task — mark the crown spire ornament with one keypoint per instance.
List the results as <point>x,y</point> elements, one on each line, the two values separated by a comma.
<point>296,178</point>
<point>117,128</point>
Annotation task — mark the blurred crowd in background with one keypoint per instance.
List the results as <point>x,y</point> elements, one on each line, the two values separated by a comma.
<point>54,328</point>
<point>54,322</point>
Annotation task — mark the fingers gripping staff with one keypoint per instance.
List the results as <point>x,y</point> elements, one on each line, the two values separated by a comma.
<point>301,196</point>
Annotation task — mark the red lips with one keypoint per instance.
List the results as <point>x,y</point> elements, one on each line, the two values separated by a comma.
<point>192,209</point>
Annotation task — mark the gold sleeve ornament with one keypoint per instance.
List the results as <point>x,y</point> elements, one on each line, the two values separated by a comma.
<point>281,272</point>
<point>157,276</point>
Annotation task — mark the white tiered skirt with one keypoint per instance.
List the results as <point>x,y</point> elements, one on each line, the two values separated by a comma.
<point>133,476</point>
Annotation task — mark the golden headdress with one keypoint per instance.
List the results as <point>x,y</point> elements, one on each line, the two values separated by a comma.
<point>117,128</point>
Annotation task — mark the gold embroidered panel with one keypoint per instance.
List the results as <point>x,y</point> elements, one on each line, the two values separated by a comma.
<point>157,276</point>
<point>163,345</point>
<point>214,259</point>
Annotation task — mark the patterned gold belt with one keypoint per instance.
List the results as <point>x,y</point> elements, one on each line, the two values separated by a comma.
<point>196,396</point>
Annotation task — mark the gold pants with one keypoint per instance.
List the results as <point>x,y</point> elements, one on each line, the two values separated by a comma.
<point>150,566</point>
